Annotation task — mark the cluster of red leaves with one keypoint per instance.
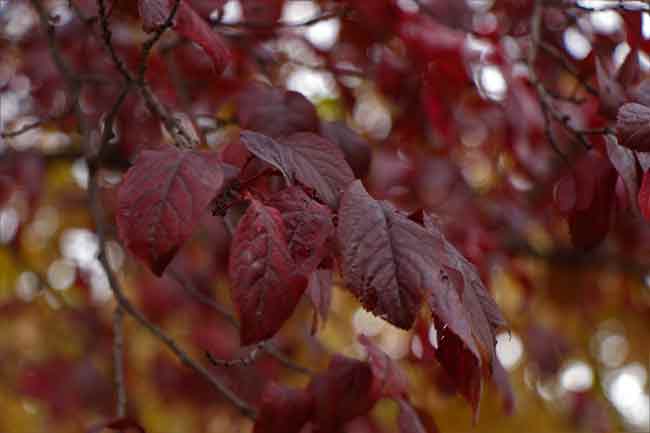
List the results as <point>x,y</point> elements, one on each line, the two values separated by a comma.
<point>295,189</point>
<point>305,214</point>
<point>347,390</point>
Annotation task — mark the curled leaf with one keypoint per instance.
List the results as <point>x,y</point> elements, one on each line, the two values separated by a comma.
<point>307,158</point>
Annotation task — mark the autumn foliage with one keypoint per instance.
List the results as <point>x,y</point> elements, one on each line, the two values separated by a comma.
<point>323,216</point>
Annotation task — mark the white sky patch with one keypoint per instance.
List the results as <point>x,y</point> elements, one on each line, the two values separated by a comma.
<point>620,54</point>
<point>606,22</point>
<point>600,4</point>
<point>577,376</point>
<point>491,82</point>
<point>80,173</point>
<point>313,84</point>
<point>509,349</point>
<point>366,323</point>
<point>9,222</point>
<point>409,6</point>
<point>232,12</point>
<point>645,25</point>
<point>61,274</point>
<point>625,389</point>
<point>296,12</point>
<point>20,19</point>
<point>324,34</point>
<point>576,43</point>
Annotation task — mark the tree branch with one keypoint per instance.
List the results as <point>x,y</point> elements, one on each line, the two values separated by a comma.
<point>267,346</point>
<point>97,213</point>
<point>118,361</point>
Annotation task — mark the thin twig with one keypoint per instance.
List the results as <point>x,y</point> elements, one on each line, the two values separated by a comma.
<point>118,361</point>
<point>181,137</point>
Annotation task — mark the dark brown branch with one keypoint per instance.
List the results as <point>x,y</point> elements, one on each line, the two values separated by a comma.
<point>181,137</point>
<point>546,100</point>
<point>118,361</point>
<point>97,212</point>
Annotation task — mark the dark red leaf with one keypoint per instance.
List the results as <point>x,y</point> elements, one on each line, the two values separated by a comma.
<point>309,226</point>
<point>307,158</point>
<point>644,196</point>
<point>382,256</point>
<point>262,11</point>
<point>589,222</point>
<point>469,319</point>
<point>633,126</point>
<point>355,148</point>
<point>564,194</point>
<point>283,410</point>
<point>624,161</point>
<point>187,23</point>
<point>391,379</point>
<point>275,112</point>
<point>341,393</point>
<point>161,200</point>
<point>264,286</point>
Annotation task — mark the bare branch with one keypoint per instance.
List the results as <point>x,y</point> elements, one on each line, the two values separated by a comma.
<point>118,361</point>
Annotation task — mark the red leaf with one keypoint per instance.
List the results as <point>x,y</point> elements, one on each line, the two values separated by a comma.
<point>275,112</point>
<point>409,421</point>
<point>124,423</point>
<point>644,196</point>
<point>187,23</point>
<point>391,378</point>
<point>162,198</point>
<point>381,253</point>
<point>341,393</point>
<point>262,11</point>
<point>469,319</point>
<point>309,226</point>
<point>595,179</point>
<point>355,148</point>
<point>306,157</point>
<point>624,161</point>
<point>283,410</point>
<point>564,194</point>
<point>633,126</point>
<point>264,287</point>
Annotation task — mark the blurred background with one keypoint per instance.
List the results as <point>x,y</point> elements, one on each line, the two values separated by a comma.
<point>452,127</point>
